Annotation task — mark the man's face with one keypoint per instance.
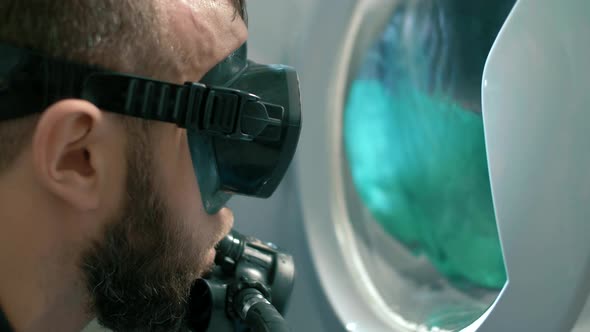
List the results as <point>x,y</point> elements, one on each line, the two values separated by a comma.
<point>139,274</point>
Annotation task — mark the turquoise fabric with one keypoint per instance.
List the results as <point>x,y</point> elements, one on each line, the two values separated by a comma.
<point>418,162</point>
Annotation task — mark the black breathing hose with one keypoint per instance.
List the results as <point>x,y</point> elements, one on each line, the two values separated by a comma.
<point>258,313</point>
<point>248,289</point>
<point>263,317</point>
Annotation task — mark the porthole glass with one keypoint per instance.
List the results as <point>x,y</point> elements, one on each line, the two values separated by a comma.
<point>418,187</point>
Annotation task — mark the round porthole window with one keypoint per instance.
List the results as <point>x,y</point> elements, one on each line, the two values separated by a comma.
<point>410,195</point>
<point>419,187</point>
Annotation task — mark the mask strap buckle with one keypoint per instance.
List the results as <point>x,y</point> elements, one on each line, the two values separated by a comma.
<point>239,115</point>
<point>262,120</point>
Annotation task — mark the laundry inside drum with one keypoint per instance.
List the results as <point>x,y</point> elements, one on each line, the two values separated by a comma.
<point>415,150</point>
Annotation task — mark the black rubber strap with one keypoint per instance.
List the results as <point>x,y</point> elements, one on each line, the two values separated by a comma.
<point>4,325</point>
<point>193,106</point>
<point>30,82</point>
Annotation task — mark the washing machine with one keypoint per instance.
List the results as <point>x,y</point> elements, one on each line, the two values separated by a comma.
<point>442,168</point>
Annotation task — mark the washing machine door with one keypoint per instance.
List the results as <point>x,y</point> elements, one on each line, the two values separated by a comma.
<point>535,97</point>
<point>429,205</point>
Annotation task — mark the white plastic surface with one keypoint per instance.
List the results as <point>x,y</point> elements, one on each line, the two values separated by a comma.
<point>324,67</point>
<point>536,106</point>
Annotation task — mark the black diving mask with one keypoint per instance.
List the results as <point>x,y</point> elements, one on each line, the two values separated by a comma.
<point>243,119</point>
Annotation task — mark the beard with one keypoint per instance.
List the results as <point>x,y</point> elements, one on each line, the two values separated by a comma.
<point>139,276</point>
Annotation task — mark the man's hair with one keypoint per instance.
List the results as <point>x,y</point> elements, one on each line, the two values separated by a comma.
<point>108,33</point>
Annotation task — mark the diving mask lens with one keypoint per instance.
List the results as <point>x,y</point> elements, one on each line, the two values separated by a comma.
<point>269,114</point>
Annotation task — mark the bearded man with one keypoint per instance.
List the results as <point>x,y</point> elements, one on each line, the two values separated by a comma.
<point>98,213</point>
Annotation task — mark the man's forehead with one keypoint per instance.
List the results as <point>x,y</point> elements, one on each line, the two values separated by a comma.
<point>239,6</point>
<point>201,33</point>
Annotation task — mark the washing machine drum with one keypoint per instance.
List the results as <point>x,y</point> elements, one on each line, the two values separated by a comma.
<point>415,141</point>
<point>458,192</point>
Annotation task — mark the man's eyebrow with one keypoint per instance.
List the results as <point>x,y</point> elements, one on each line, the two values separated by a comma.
<point>240,6</point>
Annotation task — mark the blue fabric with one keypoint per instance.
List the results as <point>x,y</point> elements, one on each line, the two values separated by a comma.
<point>414,136</point>
<point>419,165</point>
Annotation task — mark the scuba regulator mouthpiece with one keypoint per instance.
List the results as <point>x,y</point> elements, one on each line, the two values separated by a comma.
<point>249,288</point>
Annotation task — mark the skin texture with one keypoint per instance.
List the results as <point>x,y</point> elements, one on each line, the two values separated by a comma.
<point>94,215</point>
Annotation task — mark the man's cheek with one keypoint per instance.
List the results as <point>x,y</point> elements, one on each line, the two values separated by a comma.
<point>188,177</point>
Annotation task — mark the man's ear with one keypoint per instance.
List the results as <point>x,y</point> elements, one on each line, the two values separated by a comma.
<point>67,156</point>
